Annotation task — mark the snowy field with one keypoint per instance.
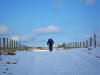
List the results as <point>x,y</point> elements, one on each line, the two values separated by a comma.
<point>63,62</point>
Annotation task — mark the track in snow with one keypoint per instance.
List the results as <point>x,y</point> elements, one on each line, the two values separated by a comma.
<point>69,62</point>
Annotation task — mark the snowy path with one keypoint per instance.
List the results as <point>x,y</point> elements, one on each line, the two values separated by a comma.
<point>69,62</point>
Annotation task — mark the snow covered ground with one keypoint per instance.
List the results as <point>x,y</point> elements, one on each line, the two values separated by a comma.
<point>64,62</point>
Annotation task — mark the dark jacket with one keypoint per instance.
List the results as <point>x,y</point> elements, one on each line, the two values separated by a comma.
<point>50,42</point>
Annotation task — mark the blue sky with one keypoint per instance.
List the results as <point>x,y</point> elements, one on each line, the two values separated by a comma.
<point>70,20</point>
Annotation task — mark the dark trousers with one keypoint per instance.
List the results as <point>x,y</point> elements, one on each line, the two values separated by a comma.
<point>50,47</point>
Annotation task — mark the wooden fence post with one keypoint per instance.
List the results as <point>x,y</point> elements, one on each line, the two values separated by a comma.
<point>77,44</point>
<point>83,44</point>
<point>73,44</point>
<point>0,43</point>
<point>80,45</point>
<point>14,43</point>
<point>94,40</point>
<point>18,44</point>
<point>86,43</point>
<point>10,43</point>
<point>90,41</point>
<point>7,42</point>
<point>3,43</point>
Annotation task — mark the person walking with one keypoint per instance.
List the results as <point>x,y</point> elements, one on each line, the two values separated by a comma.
<point>50,43</point>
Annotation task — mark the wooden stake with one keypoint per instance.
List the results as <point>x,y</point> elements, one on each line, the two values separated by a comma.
<point>94,40</point>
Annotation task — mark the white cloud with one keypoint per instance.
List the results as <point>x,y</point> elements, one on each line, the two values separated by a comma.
<point>47,30</point>
<point>27,38</point>
<point>90,2</point>
<point>15,37</point>
<point>3,29</point>
<point>24,38</point>
<point>4,32</point>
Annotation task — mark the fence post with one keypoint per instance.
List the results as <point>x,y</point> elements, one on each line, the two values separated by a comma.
<point>0,43</point>
<point>77,44</point>
<point>80,44</point>
<point>10,43</point>
<point>14,43</point>
<point>86,43</point>
<point>94,40</point>
<point>7,42</point>
<point>73,44</point>
<point>70,45</point>
<point>90,41</point>
<point>3,43</point>
<point>83,44</point>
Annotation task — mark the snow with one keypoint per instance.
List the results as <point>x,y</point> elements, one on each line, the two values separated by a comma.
<point>80,61</point>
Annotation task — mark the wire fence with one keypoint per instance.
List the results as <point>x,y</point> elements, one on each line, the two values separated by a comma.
<point>91,42</point>
<point>6,43</point>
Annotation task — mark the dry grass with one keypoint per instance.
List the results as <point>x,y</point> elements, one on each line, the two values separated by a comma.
<point>8,62</point>
<point>14,63</point>
<point>11,53</point>
<point>89,48</point>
